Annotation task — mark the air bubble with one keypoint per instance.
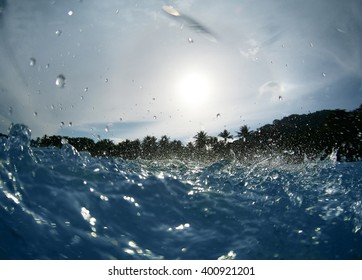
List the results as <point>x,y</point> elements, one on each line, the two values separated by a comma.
<point>155,117</point>
<point>190,40</point>
<point>324,74</point>
<point>70,124</point>
<point>35,114</point>
<point>61,124</point>
<point>58,32</point>
<point>280,98</point>
<point>10,111</point>
<point>60,81</point>
<point>32,62</point>
<point>70,13</point>
<point>106,129</point>
<point>85,89</point>
<point>106,80</point>
<point>218,115</point>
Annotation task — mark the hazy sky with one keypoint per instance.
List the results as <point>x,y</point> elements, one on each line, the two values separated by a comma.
<point>132,70</point>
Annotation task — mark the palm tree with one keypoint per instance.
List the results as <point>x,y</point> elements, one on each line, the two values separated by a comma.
<point>244,132</point>
<point>201,140</point>
<point>105,147</point>
<point>212,141</point>
<point>164,142</point>
<point>225,135</point>
<point>164,146</point>
<point>149,147</point>
<point>176,148</point>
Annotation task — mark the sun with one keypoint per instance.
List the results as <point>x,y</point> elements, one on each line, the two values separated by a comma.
<point>194,88</point>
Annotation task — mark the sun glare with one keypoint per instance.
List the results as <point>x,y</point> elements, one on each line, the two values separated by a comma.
<point>194,88</point>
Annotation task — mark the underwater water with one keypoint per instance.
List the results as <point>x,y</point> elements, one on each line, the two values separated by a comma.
<point>62,204</point>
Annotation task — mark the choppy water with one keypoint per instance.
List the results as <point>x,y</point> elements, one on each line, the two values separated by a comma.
<point>61,204</point>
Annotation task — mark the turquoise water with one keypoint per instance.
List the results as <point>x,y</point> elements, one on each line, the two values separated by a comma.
<point>62,204</point>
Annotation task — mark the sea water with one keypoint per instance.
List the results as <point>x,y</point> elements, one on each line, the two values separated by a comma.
<point>62,204</point>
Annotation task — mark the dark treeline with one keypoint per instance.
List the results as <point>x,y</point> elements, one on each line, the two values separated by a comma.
<point>314,136</point>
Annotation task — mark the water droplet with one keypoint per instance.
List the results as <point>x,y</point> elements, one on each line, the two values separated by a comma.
<point>47,66</point>
<point>155,117</point>
<point>106,129</point>
<point>61,124</point>
<point>121,119</point>
<point>10,111</point>
<point>154,99</point>
<point>218,115</point>
<point>106,80</point>
<point>280,98</point>
<point>60,81</point>
<point>82,97</point>
<point>117,11</point>
<point>70,124</point>
<point>190,40</point>
<point>86,89</point>
<point>324,74</point>
<point>32,62</point>
<point>58,32</point>
<point>35,114</point>
<point>311,44</point>
<point>70,13</point>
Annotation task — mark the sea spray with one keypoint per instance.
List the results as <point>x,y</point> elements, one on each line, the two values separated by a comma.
<point>64,204</point>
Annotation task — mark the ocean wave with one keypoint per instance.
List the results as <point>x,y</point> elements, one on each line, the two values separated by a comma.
<point>64,204</point>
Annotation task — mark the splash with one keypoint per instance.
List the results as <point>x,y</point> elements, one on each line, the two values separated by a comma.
<point>65,204</point>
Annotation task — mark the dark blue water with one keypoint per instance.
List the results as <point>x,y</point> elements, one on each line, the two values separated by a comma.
<point>61,204</point>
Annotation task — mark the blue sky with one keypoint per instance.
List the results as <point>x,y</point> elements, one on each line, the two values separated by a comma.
<point>133,70</point>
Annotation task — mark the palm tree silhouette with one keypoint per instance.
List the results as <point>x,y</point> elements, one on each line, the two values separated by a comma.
<point>149,147</point>
<point>164,142</point>
<point>244,132</point>
<point>225,135</point>
<point>201,139</point>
